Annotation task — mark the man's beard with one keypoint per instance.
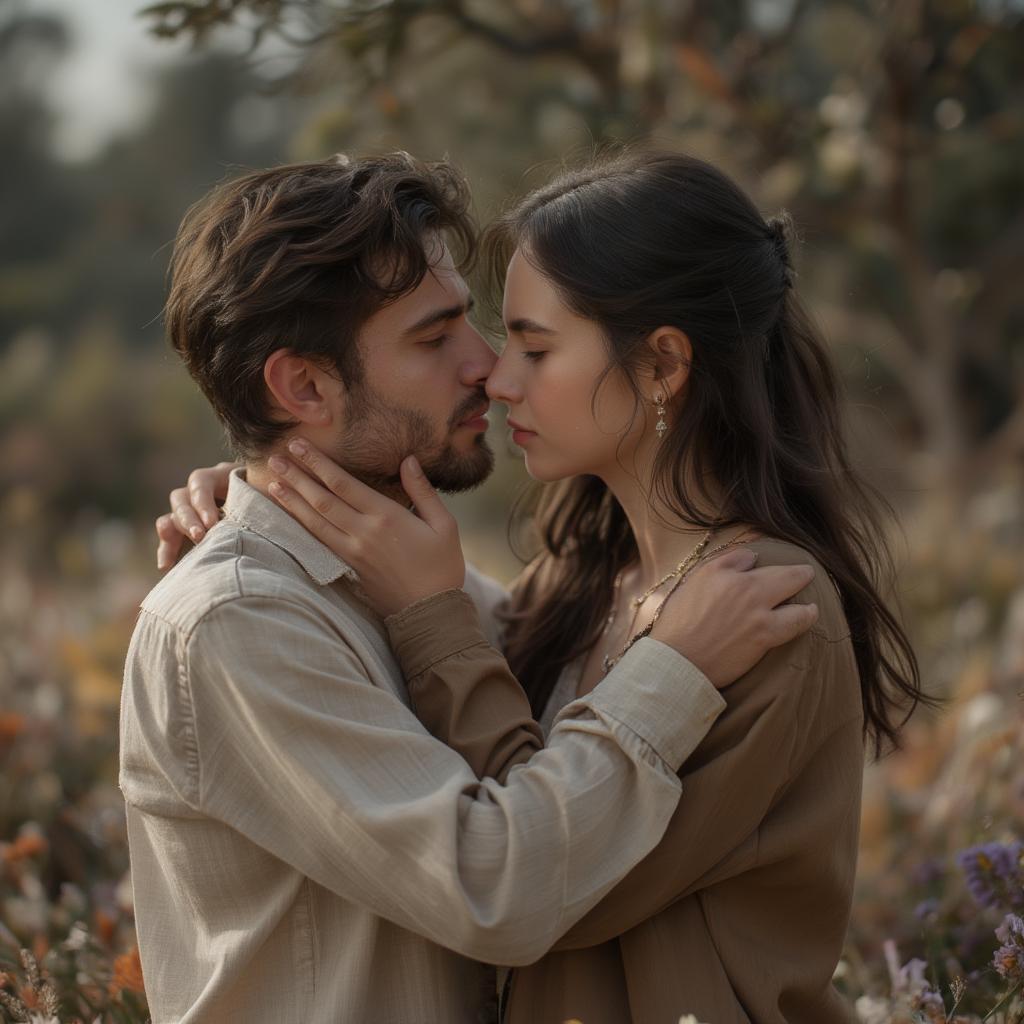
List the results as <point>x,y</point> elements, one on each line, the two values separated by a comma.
<point>378,436</point>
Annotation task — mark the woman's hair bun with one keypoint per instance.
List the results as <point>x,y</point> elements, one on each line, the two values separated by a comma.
<point>780,230</point>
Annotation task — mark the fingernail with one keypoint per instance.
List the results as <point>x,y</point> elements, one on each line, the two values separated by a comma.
<point>276,489</point>
<point>298,447</point>
<point>209,518</point>
<point>277,464</point>
<point>414,465</point>
<point>196,532</point>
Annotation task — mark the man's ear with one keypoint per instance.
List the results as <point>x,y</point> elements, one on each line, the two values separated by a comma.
<point>672,356</point>
<point>299,388</point>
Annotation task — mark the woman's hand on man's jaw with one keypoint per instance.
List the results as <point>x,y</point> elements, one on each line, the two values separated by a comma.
<point>400,556</point>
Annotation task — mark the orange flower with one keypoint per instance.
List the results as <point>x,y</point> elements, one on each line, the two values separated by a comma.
<point>105,926</point>
<point>28,844</point>
<point>127,973</point>
<point>12,725</point>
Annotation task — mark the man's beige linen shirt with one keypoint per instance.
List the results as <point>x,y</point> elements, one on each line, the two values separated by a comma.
<point>303,851</point>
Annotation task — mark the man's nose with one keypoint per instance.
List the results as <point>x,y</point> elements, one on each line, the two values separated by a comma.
<point>476,368</point>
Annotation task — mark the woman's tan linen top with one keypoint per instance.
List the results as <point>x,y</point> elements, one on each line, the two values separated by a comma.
<point>740,913</point>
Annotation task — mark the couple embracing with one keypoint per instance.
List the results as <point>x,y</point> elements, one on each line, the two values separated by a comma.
<point>357,771</point>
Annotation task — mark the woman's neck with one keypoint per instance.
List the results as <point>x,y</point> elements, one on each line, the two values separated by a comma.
<point>663,538</point>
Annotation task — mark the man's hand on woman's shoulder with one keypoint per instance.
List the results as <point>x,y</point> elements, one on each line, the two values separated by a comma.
<point>729,614</point>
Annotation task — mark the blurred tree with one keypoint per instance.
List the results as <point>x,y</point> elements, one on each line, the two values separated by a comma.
<point>893,132</point>
<point>97,417</point>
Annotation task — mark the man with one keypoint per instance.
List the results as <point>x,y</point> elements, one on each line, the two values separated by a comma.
<point>302,849</point>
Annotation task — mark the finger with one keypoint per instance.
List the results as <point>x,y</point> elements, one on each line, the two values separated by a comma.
<point>185,515</point>
<point>778,583</point>
<point>789,621</point>
<point>202,487</point>
<point>354,492</point>
<point>321,528</point>
<point>321,501</point>
<point>742,559</point>
<point>427,501</point>
<point>170,541</point>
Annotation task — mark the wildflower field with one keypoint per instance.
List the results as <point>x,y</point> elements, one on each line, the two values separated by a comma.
<point>937,931</point>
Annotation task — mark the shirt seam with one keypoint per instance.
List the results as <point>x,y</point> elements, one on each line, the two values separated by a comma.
<point>186,655</point>
<point>415,673</point>
<point>646,741</point>
<point>243,521</point>
<point>193,759</point>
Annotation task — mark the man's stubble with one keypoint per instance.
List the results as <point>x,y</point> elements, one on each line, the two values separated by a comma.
<point>378,435</point>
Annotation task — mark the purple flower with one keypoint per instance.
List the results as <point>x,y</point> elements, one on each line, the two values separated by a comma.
<point>1009,957</point>
<point>995,874</point>
<point>926,909</point>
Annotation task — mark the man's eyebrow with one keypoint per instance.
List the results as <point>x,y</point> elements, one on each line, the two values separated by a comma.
<point>439,316</point>
<point>524,325</point>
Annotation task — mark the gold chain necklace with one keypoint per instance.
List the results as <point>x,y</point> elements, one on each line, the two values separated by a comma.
<point>679,573</point>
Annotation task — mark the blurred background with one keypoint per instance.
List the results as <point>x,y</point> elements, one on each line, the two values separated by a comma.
<point>893,133</point>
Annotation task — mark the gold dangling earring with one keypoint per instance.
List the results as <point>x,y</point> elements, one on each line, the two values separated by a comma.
<point>661,426</point>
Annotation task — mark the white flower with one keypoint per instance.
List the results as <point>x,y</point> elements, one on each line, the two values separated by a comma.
<point>77,938</point>
<point>872,1011</point>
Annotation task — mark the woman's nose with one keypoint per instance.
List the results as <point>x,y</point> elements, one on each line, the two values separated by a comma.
<point>501,385</point>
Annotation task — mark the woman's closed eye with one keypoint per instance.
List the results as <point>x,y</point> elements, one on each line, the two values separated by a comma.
<point>534,355</point>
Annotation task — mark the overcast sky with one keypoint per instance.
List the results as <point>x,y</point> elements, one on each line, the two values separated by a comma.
<point>100,89</point>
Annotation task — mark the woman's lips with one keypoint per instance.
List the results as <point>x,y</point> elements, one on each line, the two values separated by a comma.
<point>520,435</point>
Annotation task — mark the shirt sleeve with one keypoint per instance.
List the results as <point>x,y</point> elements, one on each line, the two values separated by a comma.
<point>774,722</point>
<point>296,749</point>
<point>465,694</point>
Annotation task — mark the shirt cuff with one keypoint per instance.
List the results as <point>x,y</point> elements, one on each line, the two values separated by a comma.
<point>659,695</point>
<point>433,629</point>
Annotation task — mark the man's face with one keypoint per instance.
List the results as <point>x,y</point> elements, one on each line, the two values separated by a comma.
<point>422,389</point>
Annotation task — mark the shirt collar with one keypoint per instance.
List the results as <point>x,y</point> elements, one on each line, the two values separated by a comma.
<point>248,508</point>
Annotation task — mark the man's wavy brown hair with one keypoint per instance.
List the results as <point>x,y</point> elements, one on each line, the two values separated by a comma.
<point>299,257</point>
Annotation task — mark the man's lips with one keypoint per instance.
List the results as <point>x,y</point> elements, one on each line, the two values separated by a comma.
<point>476,418</point>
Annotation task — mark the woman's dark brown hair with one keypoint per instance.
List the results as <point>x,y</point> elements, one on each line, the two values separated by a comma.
<point>643,240</point>
<point>299,257</point>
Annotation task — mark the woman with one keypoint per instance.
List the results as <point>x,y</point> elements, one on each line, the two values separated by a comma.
<point>660,368</point>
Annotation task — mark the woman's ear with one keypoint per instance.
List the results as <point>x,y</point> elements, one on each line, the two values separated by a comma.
<point>300,389</point>
<point>672,355</point>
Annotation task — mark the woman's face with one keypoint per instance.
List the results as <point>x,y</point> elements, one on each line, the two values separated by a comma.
<point>547,376</point>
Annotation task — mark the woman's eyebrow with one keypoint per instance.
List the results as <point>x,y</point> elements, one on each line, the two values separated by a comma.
<point>524,325</point>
